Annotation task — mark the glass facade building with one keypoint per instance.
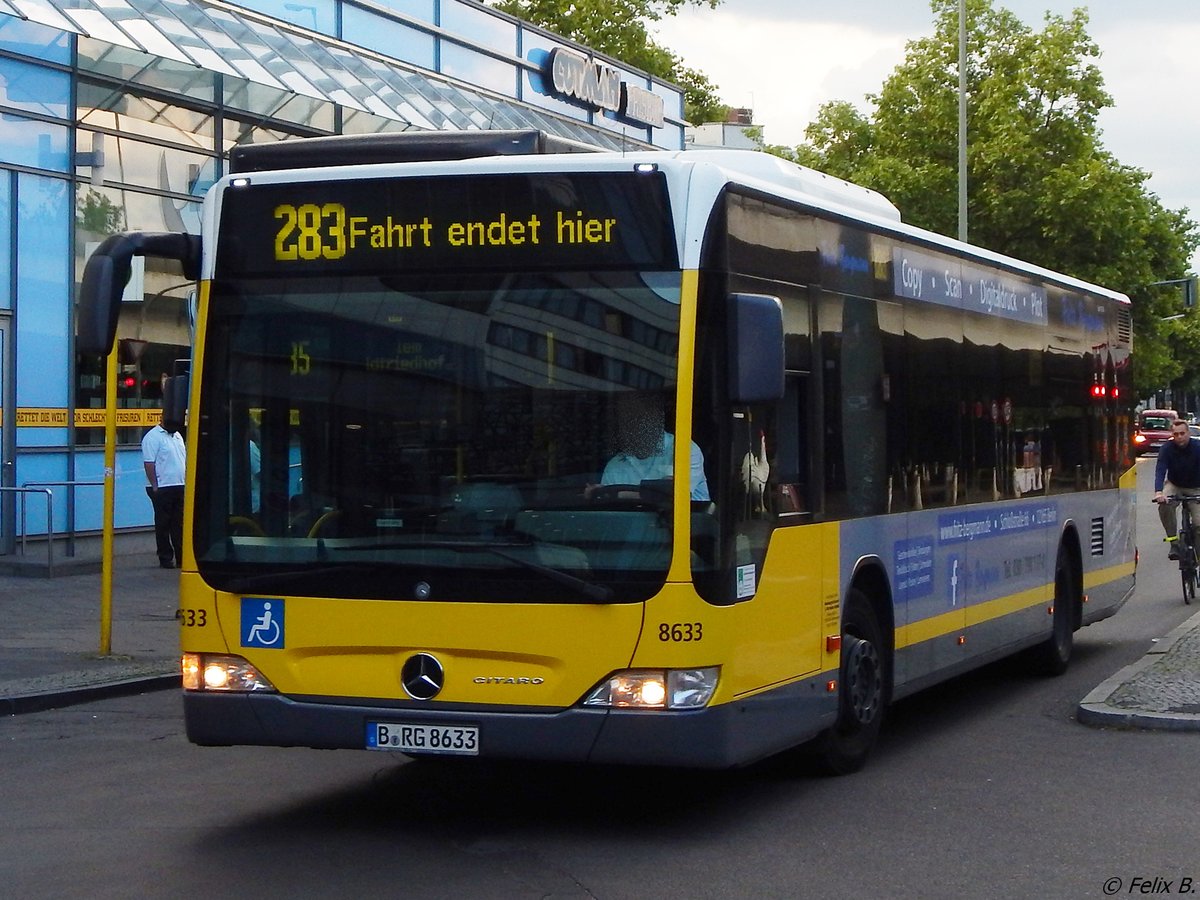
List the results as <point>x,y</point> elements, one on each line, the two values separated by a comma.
<point>117,115</point>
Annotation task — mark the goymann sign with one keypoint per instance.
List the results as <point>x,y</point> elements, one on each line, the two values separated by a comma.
<point>600,87</point>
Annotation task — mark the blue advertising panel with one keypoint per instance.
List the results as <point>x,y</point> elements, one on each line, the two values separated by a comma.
<point>935,279</point>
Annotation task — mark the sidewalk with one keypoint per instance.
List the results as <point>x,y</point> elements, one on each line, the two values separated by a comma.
<point>50,642</point>
<point>50,628</point>
<point>1161,690</point>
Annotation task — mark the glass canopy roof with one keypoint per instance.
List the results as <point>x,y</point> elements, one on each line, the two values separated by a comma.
<point>242,45</point>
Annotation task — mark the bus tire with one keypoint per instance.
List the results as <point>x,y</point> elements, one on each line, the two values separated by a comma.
<point>1053,656</point>
<point>862,691</point>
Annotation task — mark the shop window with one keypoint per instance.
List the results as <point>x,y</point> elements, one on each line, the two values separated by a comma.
<point>478,25</point>
<point>146,71</point>
<point>101,211</point>
<point>100,106</point>
<point>477,68</point>
<point>418,9</point>
<point>34,88</point>
<point>153,166</point>
<point>42,302</point>
<point>355,122</point>
<point>389,37</point>
<point>264,102</point>
<point>239,132</point>
<point>672,99</point>
<point>39,145</point>
<point>140,370</point>
<point>669,136</point>
<point>32,39</point>
<point>154,321</point>
<point>536,89</point>
<point>6,191</point>
<point>315,15</point>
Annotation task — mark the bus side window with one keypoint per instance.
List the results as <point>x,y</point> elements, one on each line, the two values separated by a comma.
<point>791,454</point>
<point>755,436</point>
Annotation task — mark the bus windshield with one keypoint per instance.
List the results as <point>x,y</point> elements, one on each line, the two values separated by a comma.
<point>441,436</point>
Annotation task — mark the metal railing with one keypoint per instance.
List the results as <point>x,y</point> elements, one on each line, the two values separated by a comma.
<point>44,487</point>
<point>24,491</point>
<point>70,532</point>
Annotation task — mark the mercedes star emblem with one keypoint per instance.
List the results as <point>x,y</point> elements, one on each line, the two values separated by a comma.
<point>422,677</point>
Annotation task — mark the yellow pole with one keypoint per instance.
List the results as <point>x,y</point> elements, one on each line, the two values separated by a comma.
<point>110,484</point>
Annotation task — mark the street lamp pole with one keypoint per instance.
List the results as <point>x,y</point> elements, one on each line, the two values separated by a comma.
<point>962,120</point>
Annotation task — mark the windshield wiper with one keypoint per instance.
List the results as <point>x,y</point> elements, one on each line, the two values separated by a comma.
<point>597,592</point>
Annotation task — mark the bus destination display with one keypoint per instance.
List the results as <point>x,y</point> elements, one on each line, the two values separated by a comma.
<point>597,220</point>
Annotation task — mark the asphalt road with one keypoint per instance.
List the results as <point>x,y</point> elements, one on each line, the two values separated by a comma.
<point>982,787</point>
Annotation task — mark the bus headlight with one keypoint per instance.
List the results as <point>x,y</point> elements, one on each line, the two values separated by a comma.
<point>213,672</point>
<point>655,689</point>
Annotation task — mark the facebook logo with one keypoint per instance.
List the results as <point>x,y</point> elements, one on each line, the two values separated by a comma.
<point>955,580</point>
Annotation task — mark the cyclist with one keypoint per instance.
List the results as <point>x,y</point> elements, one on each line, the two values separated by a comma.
<point>1178,471</point>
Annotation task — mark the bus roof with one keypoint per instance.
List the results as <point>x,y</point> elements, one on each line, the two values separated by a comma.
<point>845,199</point>
<point>706,171</point>
<point>409,146</point>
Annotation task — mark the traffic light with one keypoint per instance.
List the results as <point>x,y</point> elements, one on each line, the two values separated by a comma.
<point>128,382</point>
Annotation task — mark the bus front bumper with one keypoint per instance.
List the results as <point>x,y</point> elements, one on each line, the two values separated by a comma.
<point>718,736</point>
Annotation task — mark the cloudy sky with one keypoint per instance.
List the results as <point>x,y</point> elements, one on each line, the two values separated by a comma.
<point>784,58</point>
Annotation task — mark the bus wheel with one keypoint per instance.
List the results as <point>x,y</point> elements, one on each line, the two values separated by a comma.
<point>1052,656</point>
<point>862,691</point>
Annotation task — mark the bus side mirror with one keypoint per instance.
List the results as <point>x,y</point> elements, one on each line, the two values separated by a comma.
<point>756,359</point>
<point>106,273</point>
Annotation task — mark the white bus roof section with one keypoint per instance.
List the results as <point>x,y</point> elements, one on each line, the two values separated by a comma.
<point>787,180</point>
<point>696,179</point>
<point>778,172</point>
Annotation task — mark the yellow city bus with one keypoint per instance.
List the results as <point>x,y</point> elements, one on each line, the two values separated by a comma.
<point>440,394</point>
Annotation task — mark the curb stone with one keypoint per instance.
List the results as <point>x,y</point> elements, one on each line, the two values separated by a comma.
<point>1160,691</point>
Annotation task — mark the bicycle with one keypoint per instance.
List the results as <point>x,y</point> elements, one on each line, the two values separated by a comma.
<point>1189,570</point>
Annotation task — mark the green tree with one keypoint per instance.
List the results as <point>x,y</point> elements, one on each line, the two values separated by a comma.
<point>620,29</point>
<point>1041,187</point>
<point>96,213</point>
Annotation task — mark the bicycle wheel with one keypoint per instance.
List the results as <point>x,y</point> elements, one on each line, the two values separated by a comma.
<point>1189,574</point>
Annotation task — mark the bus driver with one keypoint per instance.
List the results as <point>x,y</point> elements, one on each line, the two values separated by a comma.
<point>645,450</point>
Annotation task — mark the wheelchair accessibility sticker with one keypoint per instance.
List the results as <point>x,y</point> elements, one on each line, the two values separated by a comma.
<point>262,622</point>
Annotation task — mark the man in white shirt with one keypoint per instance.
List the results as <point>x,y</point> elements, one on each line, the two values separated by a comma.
<point>164,456</point>
<point>647,450</point>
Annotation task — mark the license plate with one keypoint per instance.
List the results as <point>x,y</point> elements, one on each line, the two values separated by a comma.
<point>455,740</point>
